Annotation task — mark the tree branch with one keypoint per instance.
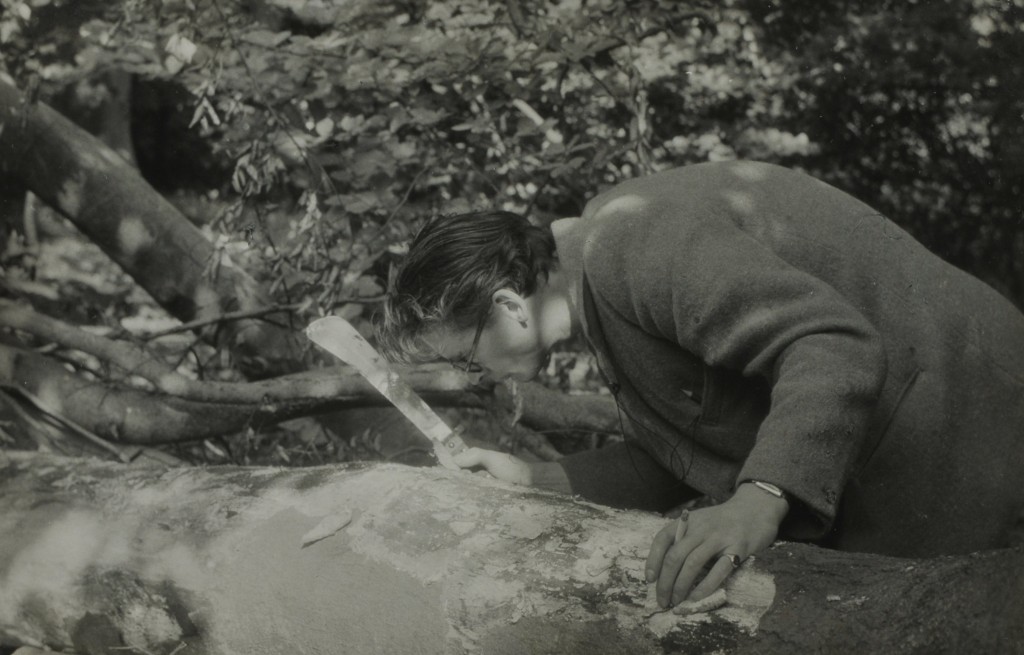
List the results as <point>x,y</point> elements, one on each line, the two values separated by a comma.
<point>213,409</point>
<point>228,317</point>
<point>516,18</point>
<point>292,395</point>
<point>186,410</point>
<point>132,358</point>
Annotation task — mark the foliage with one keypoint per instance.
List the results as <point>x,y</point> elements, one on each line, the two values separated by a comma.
<point>344,124</point>
<point>347,123</point>
<point>913,105</point>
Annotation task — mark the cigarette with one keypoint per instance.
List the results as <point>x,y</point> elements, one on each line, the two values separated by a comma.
<point>681,525</point>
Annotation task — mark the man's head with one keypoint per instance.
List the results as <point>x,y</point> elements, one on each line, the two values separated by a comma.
<point>465,273</point>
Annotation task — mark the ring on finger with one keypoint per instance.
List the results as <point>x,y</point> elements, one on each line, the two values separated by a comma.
<point>734,559</point>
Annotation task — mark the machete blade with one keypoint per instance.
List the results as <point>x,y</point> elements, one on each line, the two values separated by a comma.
<point>338,337</point>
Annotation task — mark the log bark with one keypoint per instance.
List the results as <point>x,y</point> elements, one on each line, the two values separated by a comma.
<point>107,199</point>
<point>391,559</point>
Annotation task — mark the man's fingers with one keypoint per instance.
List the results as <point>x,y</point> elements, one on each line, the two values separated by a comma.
<point>676,561</point>
<point>713,580</point>
<point>491,460</point>
<point>501,465</point>
<point>662,542</point>
<point>695,562</point>
<point>470,457</point>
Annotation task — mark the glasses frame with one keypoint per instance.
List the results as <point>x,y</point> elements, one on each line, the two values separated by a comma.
<point>469,366</point>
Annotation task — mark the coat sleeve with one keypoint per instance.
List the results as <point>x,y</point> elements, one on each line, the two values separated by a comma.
<point>730,299</point>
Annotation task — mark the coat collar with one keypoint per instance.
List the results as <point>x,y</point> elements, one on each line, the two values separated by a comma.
<point>570,240</point>
<point>568,235</point>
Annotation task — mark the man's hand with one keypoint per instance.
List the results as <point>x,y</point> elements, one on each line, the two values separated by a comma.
<point>501,465</point>
<point>743,525</point>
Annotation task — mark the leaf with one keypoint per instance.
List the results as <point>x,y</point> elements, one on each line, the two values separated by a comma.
<point>371,162</point>
<point>324,127</point>
<point>424,116</point>
<point>402,150</point>
<point>266,38</point>
<point>367,286</point>
<point>180,51</point>
<point>359,203</point>
<point>180,47</point>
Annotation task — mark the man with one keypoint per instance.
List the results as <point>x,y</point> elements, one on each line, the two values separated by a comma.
<point>775,344</point>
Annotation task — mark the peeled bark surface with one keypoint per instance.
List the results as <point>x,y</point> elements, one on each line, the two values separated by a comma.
<point>391,559</point>
<point>107,199</point>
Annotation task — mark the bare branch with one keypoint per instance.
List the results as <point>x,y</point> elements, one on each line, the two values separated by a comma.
<point>212,409</point>
<point>516,17</point>
<point>134,359</point>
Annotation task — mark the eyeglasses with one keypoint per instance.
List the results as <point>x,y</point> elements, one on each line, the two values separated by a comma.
<point>469,366</point>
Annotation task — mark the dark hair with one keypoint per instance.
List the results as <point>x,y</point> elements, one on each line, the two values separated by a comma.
<point>454,266</point>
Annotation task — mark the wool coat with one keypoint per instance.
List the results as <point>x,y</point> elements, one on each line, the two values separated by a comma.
<point>755,323</point>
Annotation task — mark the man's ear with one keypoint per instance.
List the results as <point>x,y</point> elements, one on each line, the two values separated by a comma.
<point>512,303</point>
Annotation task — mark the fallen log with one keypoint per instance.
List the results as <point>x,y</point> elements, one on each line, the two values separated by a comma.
<point>391,559</point>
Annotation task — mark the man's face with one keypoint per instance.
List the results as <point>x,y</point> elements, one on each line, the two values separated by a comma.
<point>506,348</point>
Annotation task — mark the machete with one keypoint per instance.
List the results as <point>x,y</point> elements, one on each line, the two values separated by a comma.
<point>337,336</point>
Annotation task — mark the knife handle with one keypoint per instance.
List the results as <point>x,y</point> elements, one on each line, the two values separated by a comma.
<point>446,449</point>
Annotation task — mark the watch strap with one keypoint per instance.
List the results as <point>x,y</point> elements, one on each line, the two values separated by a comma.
<point>770,488</point>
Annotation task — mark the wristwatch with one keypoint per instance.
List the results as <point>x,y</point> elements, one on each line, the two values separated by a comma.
<point>768,487</point>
